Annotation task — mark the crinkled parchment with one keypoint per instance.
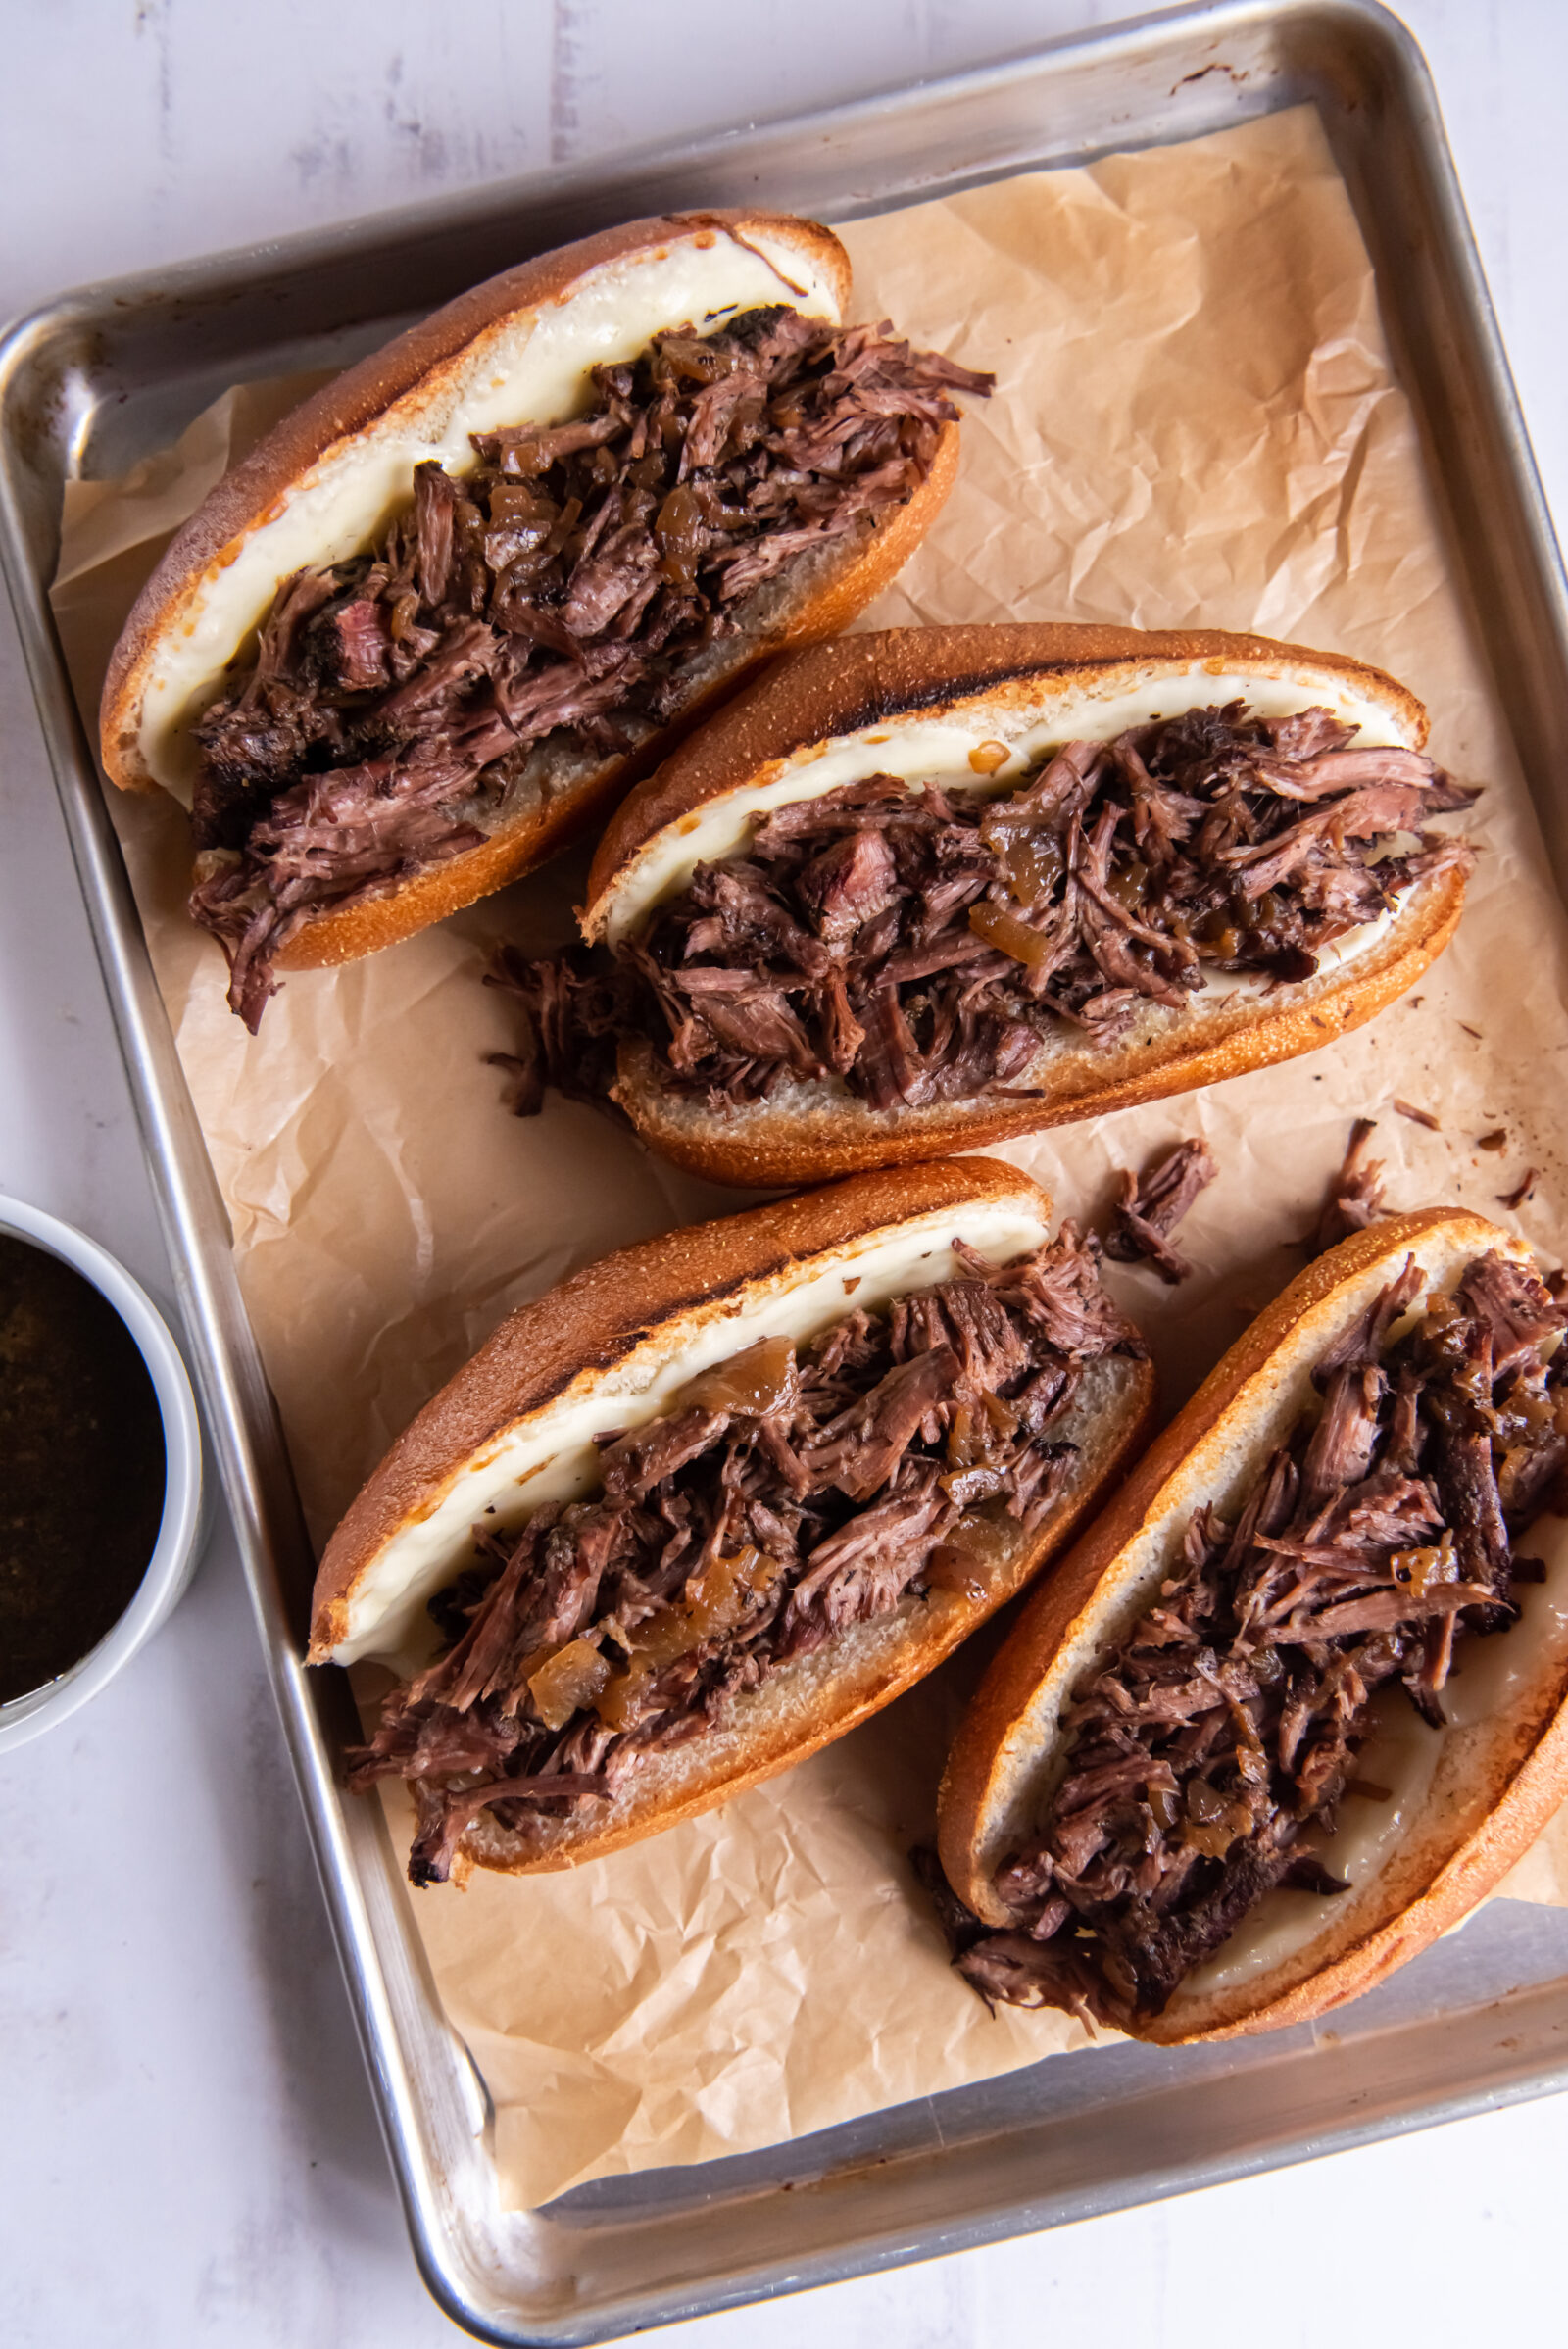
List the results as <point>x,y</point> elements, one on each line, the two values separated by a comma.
<point>1194,424</point>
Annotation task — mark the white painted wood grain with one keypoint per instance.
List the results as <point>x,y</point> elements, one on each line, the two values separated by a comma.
<point>188,2151</point>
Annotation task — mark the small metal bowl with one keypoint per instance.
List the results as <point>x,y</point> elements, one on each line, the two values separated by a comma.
<point>183,1529</point>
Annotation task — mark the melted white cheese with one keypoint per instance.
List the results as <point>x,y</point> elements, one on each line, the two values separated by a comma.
<point>1401,1754</point>
<point>533,368</point>
<point>551,1455</point>
<point>938,750</point>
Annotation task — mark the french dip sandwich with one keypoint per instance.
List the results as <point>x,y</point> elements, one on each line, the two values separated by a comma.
<point>432,625</point>
<point>715,1500</point>
<point>915,892</point>
<point>1297,1702</point>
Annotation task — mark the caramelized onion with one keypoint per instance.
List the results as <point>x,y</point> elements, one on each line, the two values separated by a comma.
<point>210,862</point>
<point>970,1439</point>
<point>616,1702</point>
<point>518,501</point>
<point>717,1600</point>
<point>680,531</point>
<point>1009,936</point>
<point>567,1680</point>
<point>1035,864</point>
<point>1213,1820</point>
<point>1421,1568</point>
<point>987,756</point>
<point>964,1447</point>
<point>1127,885</point>
<point>1001,1413</point>
<point>713,1602</point>
<point>692,358</point>
<point>950,1568</point>
<point>1203,1802</point>
<point>1219,933</point>
<point>761,1379</point>
<point>1028,847</point>
<point>1212,1842</point>
<point>405,614</point>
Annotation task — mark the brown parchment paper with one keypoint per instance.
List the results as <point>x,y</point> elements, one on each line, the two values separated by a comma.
<point>1194,423</point>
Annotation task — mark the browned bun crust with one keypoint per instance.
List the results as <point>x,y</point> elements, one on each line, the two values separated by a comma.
<point>866,681</point>
<point>828,597</point>
<point>765,1145</point>
<point>591,1322</point>
<point>1499,1784</point>
<point>352,403</point>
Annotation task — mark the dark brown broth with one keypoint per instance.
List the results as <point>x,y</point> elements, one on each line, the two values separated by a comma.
<point>82,1467</point>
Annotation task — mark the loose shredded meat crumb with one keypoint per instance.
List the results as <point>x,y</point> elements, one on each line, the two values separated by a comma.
<point>921,946</point>
<point>1355,1195</point>
<point>784,1499</point>
<point>1207,1753</point>
<point>1151,1206</point>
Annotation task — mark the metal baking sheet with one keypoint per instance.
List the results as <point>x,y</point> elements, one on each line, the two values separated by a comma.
<point>102,376</point>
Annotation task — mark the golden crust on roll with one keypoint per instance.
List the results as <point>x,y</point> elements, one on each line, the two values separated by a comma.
<point>957,784</point>
<point>510,359</point>
<point>780,1448</point>
<point>1430,1788</point>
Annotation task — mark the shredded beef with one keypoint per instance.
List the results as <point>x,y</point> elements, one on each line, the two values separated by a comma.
<point>922,944</point>
<point>1355,1195</point>
<point>561,586</point>
<point>1151,1206</point>
<point>1207,1753</point>
<point>783,1499</point>
<point>960,1927</point>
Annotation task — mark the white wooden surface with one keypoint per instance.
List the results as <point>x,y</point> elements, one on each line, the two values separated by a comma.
<point>187,2150</point>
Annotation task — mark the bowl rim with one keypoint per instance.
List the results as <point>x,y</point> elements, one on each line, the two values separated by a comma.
<point>180,1528</point>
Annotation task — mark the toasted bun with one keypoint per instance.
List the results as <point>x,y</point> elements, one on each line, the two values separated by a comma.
<point>326,482</point>
<point>914,703</point>
<point>609,1349</point>
<point>1496,1778</point>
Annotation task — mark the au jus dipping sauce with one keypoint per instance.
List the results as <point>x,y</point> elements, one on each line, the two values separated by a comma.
<point>82,1467</point>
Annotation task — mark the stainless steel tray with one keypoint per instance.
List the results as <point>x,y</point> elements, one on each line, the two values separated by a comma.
<point>102,377</point>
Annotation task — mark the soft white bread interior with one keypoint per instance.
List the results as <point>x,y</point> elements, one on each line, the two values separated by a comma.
<point>938,705</point>
<point>1467,1799</point>
<point>609,1349</point>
